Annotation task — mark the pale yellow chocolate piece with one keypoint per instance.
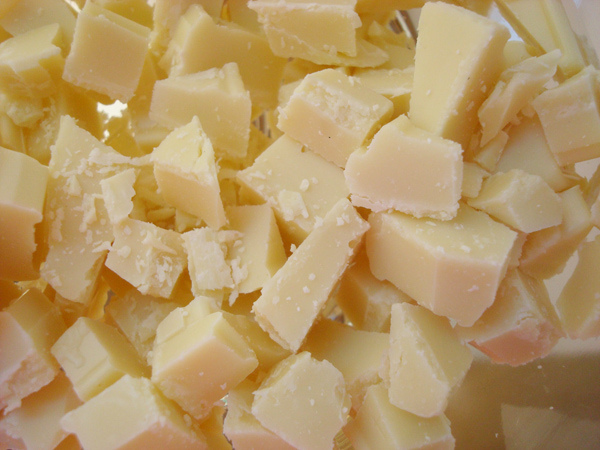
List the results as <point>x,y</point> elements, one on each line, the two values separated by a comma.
<point>242,428</point>
<point>427,361</point>
<point>117,192</point>
<point>300,186</point>
<point>147,256</point>
<point>186,173</point>
<point>407,169</point>
<point>200,43</point>
<point>77,227</point>
<point>199,357</point>
<point>357,354</point>
<point>521,200</point>
<point>451,267</point>
<point>31,63</point>
<point>259,252</point>
<point>291,300</point>
<point>315,31</point>
<point>578,305</point>
<point>520,326</point>
<point>379,424</point>
<point>528,150</point>
<point>240,13</point>
<point>94,355</point>
<point>107,54</point>
<point>132,413</point>
<point>399,46</point>
<point>366,301</point>
<point>303,401</point>
<point>570,116</point>
<point>517,87</point>
<point>139,11</point>
<point>22,193</point>
<point>333,115</point>
<point>473,178</point>
<point>546,252</point>
<point>22,16</point>
<point>138,316</point>
<point>394,84</point>
<point>217,97</point>
<point>489,154</point>
<point>36,423</point>
<point>470,51</point>
<point>28,329</point>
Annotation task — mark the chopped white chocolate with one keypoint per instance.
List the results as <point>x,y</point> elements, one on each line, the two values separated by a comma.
<point>117,192</point>
<point>427,361</point>
<point>94,355</point>
<point>520,326</point>
<point>198,358</point>
<point>132,413</point>
<point>379,424</point>
<point>470,51</point>
<point>333,115</point>
<point>473,178</point>
<point>407,169</point>
<point>489,154</point>
<point>292,299</point>
<point>20,16</point>
<point>303,401</point>
<point>115,68</point>
<point>394,84</point>
<point>452,267</point>
<point>22,194</point>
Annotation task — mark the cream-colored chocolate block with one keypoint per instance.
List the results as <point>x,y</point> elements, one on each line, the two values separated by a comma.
<point>242,428</point>
<point>117,192</point>
<point>570,116</point>
<point>23,110</point>
<point>76,226</point>
<point>137,10</point>
<point>489,154</point>
<point>546,252</point>
<point>379,424</point>
<point>208,265</point>
<point>394,84</point>
<point>147,256</point>
<point>199,358</point>
<point>521,200</point>
<point>94,355</point>
<point>29,327</point>
<point>399,46</point>
<point>138,316</point>
<point>287,171</point>
<point>107,54</point>
<point>200,43</point>
<point>520,326</point>
<point>310,30</point>
<point>291,300</point>
<point>407,169</point>
<point>259,253</point>
<point>303,401</point>
<point>471,54</point>
<point>451,267</point>
<point>26,15</point>
<point>132,413</point>
<point>578,303</point>
<point>366,301</point>
<point>473,177</point>
<point>427,361</point>
<point>332,115</point>
<point>36,423</point>
<point>22,194</point>
<point>177,99</point>
<point>357,354</point>
<point>544,24</point>
<point>528,150</point>
<point>32,62</point>
<point>186,173</point>
<point>517,87</point>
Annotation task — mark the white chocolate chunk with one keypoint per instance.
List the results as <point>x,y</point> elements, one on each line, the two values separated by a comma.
<point>20,16</point>
<point>117,192</point>
<point>407,169</point>
<point>292,299</point>
<point>427,361</point>
<point>132,413</point>
<point>332,115</point>
<point>521,200</point>
<point>114,69</point>
<point>470,51</point>
<point>303,401</point>
<point>22,194</point>
<point>473,178</point>
<point>451,267</point>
